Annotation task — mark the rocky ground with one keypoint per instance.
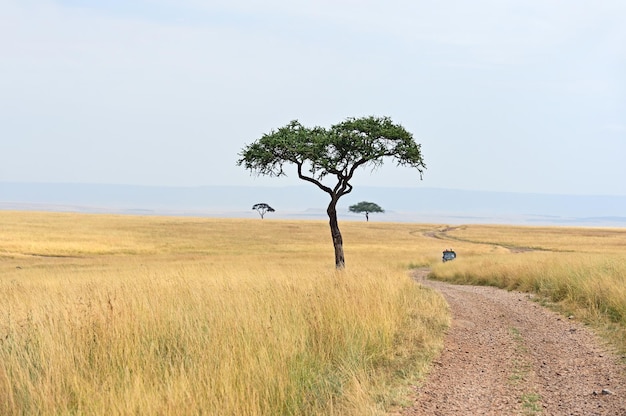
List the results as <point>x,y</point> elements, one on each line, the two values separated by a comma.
<point>507,355</point>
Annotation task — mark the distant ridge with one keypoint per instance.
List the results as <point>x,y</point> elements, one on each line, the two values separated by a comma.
<point>305,201</point>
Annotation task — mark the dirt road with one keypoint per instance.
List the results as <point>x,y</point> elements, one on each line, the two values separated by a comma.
<point>506,355</point>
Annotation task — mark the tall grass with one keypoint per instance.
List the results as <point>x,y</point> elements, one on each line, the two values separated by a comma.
<point>582,271</point>
<point>146,315</point>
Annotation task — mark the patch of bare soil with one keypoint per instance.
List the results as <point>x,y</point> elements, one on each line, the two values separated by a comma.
<point>507,355</point>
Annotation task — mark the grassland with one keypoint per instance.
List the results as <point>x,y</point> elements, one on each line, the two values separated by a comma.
<point>116,315</point>
<point>107,315</point>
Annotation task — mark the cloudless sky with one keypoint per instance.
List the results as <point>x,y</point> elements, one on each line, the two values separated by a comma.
<point>522,96</point>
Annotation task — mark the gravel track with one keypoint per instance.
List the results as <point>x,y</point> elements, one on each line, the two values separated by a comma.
<point>506,355</point>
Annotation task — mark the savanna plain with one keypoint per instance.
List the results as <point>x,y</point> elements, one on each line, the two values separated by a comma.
<point>116,315</point>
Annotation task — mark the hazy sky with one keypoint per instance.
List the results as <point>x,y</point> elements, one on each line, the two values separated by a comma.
<point>523,96</point>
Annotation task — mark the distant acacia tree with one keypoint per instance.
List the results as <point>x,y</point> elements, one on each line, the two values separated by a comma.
<point>365,207</point>
<point>337,152</point>
<point>262,208</point>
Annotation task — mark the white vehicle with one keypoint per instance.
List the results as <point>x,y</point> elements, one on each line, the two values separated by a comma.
<point>448,255</point>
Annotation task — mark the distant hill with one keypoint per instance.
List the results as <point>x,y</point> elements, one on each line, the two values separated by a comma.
<point>307,202</point>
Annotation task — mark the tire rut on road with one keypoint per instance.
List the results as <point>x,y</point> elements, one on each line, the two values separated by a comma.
<point>507,355</point>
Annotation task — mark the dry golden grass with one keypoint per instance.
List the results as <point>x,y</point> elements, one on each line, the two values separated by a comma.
<point>153,315</point>
<point>110,315</point>
<point>560,239</point>
<point>581,271</point>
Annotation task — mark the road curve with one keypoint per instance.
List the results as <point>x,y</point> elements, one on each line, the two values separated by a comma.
<point>506,355</point>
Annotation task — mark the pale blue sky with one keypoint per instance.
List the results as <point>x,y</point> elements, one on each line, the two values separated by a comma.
<point>522,96</point>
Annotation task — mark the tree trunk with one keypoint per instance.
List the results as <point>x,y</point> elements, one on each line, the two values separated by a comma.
<point>340,261</point>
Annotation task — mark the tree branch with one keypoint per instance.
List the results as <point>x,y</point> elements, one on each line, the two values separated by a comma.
<point>312,180</point>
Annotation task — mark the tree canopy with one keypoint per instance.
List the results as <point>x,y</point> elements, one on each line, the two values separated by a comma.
<point>262,208</point>
<point>340,150</point>
<point>365,207</point>
<point>337,152</point>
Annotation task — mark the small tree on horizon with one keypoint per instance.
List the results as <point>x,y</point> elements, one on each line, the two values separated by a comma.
<point>263,208</point>
<point>319,153</point>
<point>365,207</point>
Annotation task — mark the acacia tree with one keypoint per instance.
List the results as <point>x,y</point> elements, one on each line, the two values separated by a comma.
<point>365,207</point>
<point>262,208</point>
<point>332,155</point>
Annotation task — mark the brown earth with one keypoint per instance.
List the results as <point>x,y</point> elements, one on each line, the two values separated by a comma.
<point>507,355</point>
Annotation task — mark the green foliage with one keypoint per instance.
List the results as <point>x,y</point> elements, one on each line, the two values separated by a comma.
<point>262,208</point>
<point>366,207</point>
<point>340,150</point>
